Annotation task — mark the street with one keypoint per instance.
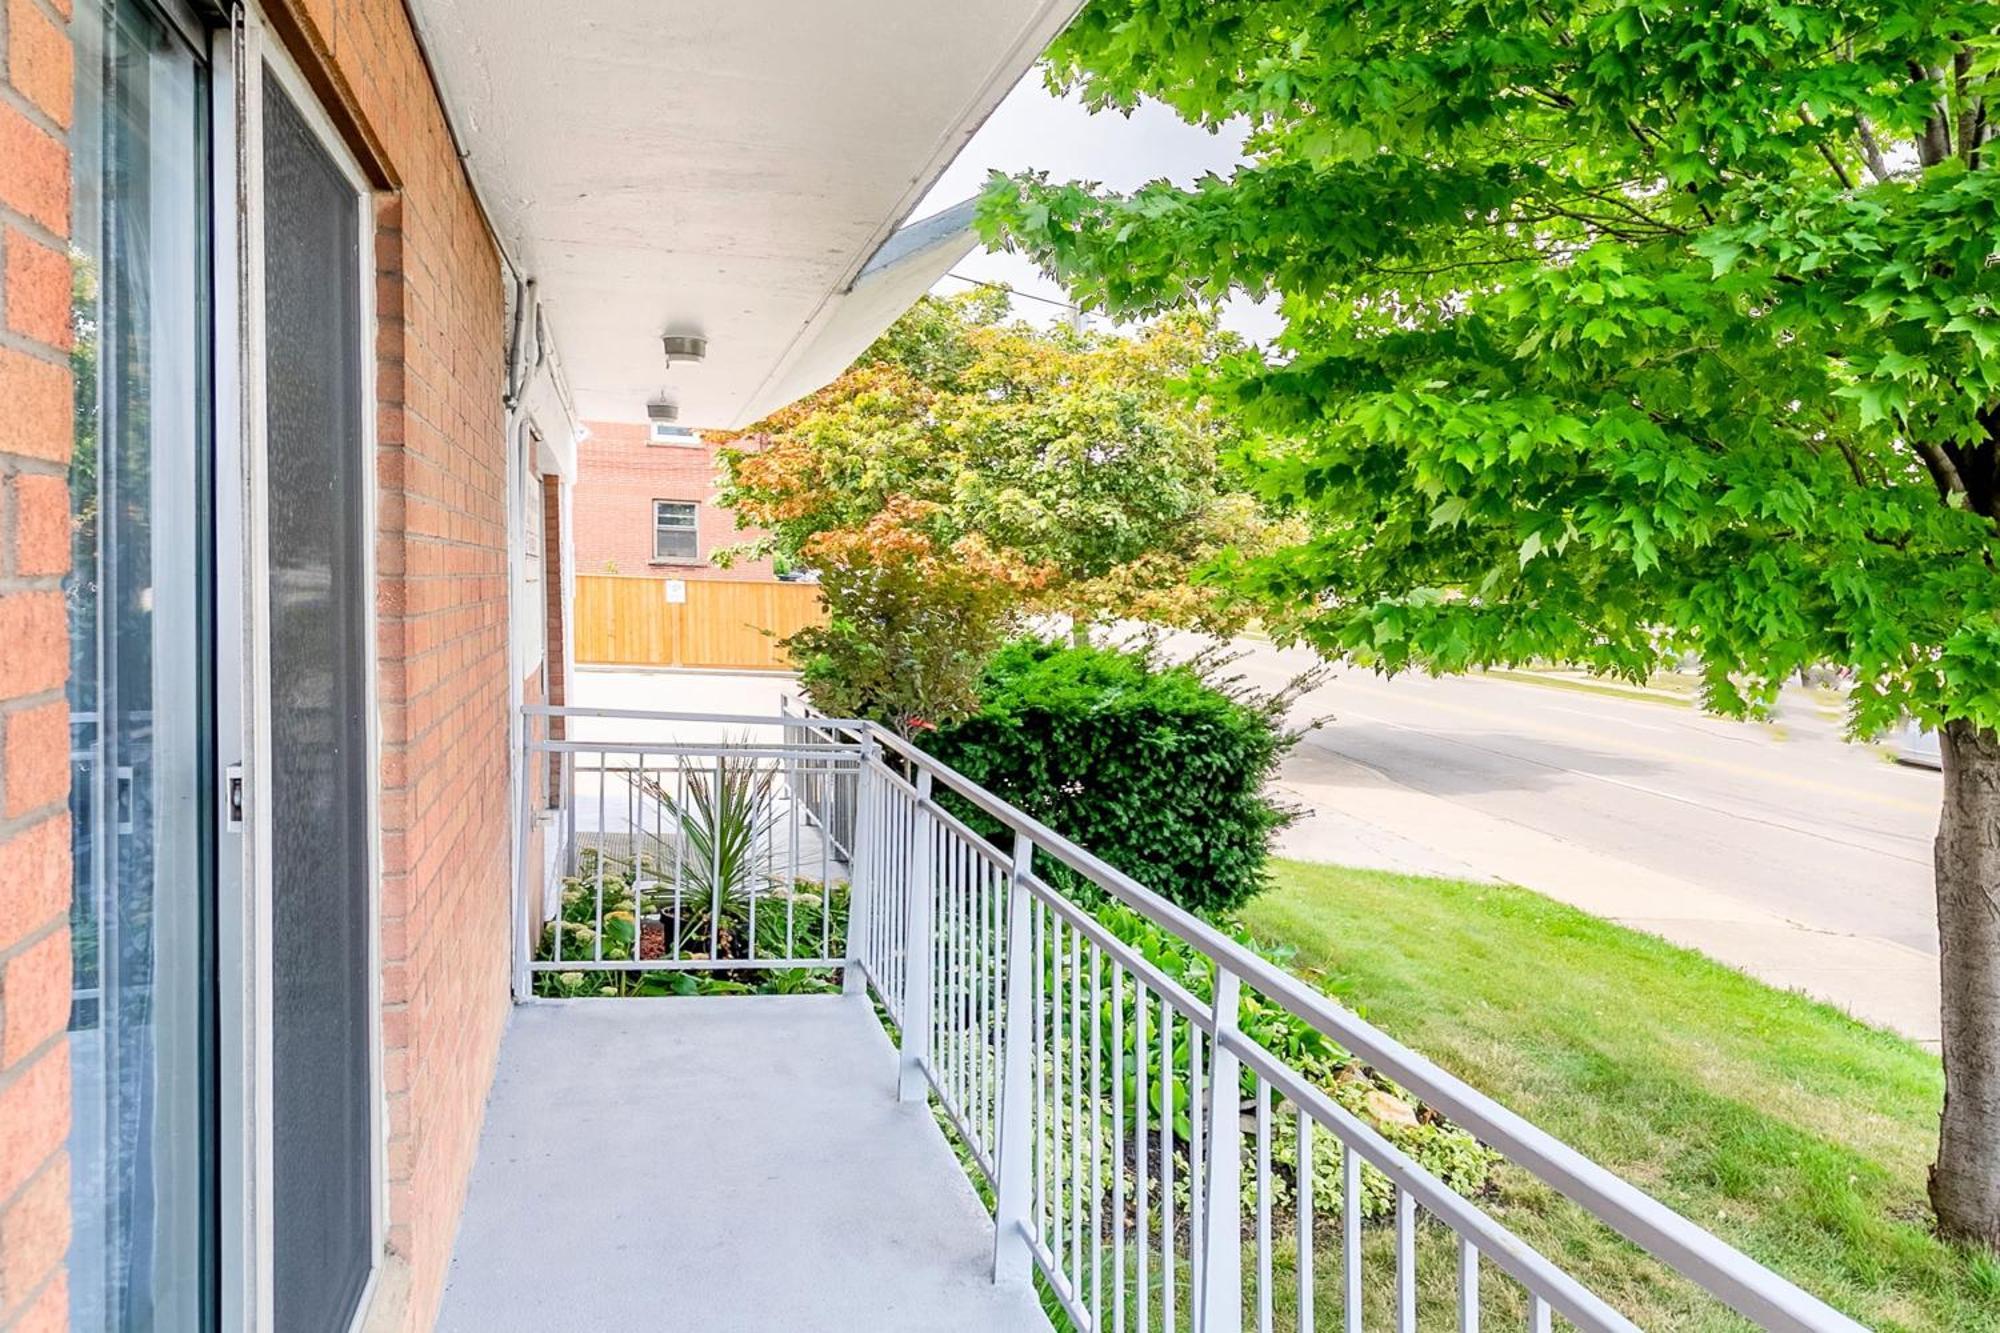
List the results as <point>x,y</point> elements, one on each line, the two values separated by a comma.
<point>1780,849</point>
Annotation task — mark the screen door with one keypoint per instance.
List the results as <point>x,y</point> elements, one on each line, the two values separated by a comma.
<point>317,469</point>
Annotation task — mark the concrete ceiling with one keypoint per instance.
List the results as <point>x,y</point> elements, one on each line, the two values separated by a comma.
<point>725,168</point>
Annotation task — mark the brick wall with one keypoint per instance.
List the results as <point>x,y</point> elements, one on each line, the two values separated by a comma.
<point>618,476</point>
<point>35,417</point>
<point>442,606</point>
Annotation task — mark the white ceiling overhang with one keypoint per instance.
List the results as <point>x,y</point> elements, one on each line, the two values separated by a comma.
<point>735,169</point>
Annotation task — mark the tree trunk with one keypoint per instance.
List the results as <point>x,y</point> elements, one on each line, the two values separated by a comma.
<point>1965,1181</point>
<point>1079,632</point>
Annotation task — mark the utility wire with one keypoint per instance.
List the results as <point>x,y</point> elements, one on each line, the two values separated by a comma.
<point>1017,294</point>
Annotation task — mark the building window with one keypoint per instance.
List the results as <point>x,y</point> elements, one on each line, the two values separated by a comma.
<point>666,432</point>
<point>675,539</point>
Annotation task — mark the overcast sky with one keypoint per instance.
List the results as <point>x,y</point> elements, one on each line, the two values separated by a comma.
<point>1033,129</point>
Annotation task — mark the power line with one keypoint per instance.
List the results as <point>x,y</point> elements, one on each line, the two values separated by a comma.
<point>1018,294</point>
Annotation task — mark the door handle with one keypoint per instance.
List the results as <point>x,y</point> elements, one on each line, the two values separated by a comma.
<point>232,799</point>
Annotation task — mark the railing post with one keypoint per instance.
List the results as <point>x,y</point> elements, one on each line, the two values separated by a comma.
<point>1221,1295</point>
<point>860,871</point>
<point>1013,1258</point>
<point>917,949</point>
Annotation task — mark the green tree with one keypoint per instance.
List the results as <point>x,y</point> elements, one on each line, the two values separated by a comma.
<point>911,621</point>
<point>1075,453</point>
<point>1615,332</point>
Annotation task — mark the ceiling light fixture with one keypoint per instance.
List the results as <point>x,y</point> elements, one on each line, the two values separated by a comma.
<point>684,347</point>
<point>663,408</point>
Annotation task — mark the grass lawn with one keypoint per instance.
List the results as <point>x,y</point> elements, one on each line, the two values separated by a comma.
<point>1794,1132</point>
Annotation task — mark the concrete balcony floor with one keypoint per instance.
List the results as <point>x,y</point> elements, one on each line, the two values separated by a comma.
<point>716,1163</point>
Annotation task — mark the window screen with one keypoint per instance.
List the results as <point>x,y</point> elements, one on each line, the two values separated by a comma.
<point>321,1098</point>
<point>674,532</point>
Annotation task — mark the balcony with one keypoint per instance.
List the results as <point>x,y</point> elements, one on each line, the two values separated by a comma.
<point>976,1100</point>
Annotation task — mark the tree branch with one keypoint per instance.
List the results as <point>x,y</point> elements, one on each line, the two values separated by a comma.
<point>1935,144</point>
<point>1961,73</point>
<point>1871,151</point>
<point>1853,460</point>
<point>1943,471</point>
<point>1839,172</point>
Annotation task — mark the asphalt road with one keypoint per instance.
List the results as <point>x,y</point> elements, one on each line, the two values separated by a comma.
<point>1780,848</point>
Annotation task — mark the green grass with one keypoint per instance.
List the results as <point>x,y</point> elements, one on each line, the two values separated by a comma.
<point>1794,1132</point>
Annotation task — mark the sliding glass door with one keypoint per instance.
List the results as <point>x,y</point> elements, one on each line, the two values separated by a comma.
<point>225,1144</point>
<point>141,692</point>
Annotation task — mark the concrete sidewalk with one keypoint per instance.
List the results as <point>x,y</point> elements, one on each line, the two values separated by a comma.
<point>1362,818</point>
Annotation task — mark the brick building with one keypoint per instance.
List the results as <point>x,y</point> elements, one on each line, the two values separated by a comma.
<point>645,505</point>
<point>301,305</point>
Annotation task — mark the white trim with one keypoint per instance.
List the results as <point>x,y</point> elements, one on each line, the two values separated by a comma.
<point>526,573</point>
<point>242,1115</point>
<point>673,433</point>
<point>692,527</point>
<point>521,439</point>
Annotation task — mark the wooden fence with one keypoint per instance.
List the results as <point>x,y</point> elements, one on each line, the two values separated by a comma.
<point>626,621</point>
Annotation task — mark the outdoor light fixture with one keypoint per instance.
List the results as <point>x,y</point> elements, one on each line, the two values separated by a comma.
<point>663,408</point>
<point>684,347</point>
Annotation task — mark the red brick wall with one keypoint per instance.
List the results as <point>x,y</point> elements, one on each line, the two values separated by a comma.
<point>35,417</point>
<point>442,607</point>
<point>618,476</point>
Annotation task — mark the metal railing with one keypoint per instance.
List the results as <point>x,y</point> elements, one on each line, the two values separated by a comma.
<point>675,853</point>
<point>1135,1141</point>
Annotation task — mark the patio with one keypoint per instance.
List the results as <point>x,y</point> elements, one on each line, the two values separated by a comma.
<point>717,1163</point>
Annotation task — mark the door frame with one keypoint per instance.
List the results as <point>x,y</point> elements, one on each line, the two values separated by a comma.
<point>248,52</point>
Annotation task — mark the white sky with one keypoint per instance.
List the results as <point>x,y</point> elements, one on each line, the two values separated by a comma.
<point>1033,129</point>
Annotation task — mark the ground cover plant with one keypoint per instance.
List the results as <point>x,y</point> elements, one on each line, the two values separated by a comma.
<point>655,924</point>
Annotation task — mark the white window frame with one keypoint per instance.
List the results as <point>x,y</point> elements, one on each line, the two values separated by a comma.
<point>674,434</point>
<point>529,615</point>
<point>692,528</point>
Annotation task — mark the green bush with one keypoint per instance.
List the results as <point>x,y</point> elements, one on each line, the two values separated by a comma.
<point>1158,767</point>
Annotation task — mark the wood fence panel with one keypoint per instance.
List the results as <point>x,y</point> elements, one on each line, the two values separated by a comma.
<point>626,621</point>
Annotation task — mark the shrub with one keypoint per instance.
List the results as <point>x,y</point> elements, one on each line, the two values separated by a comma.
<point>911,622</point>
<point>1158,767</point>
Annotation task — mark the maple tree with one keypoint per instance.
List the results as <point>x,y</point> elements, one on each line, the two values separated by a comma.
<point>1616,333</point>
<point>1079,454</point>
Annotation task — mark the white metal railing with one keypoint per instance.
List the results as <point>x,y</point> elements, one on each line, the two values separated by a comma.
<point>678,852</point>
<point>1126,1127</point>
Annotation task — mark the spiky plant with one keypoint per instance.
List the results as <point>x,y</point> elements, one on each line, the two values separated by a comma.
<point>720,809</point>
